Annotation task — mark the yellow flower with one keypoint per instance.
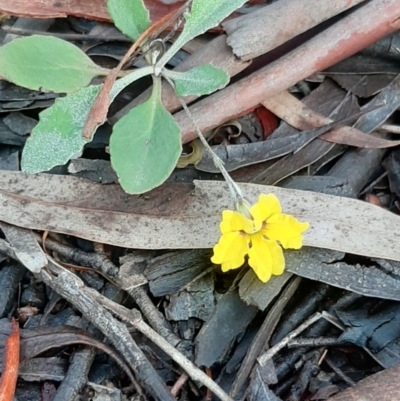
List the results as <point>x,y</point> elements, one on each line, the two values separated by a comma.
<point>257,236</point>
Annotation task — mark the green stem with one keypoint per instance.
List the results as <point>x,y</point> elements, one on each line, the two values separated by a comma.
<point>124,73</point>
<point>128,79</point>
<point>175,47</point>
<point>157,87</point>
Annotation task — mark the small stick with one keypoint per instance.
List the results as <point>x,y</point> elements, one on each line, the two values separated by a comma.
<point>263,359</point>
<point>178,384</point>
<point>234,189</point>
<point>393,129</point>
<point>339,372</point>
<point>314,342</point>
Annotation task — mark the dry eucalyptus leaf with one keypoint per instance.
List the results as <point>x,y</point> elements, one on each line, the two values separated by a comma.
<point>179,216</point>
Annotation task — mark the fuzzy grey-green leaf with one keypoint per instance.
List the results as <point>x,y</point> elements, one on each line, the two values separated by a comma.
<point>58,135</point>
<point>130,16</point>
<point>47,63</point>
<point>145,145</point>
<point>206,14</point>
<point>198,81</point>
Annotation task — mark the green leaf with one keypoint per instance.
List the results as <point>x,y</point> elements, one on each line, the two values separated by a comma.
<point>58,135</point>
<point>130,16</point>
<point>145,145</point>
<point>47,63</point>
<point>204,15</point>
<point>198,81</point>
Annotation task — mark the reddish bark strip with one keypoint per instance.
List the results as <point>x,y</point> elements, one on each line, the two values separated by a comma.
<point>90,9</point>
<point>9,377</point>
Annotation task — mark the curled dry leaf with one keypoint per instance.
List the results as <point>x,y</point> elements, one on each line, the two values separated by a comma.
<point>43,338</point>
<point>297,114</point>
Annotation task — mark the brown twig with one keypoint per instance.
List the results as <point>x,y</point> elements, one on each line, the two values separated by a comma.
<point>178,384</point>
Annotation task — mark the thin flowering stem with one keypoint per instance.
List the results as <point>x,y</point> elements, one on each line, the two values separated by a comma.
<point>234,189</point>
<point>254,232</point>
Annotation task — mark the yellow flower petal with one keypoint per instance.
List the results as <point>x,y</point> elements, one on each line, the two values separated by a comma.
<point>233,264</point>
<point>265,258</point>
<point>266,206</point>
<point>234,221</point>
<point>278,265</point>
<point>286,229</point>
<point>231,250</point>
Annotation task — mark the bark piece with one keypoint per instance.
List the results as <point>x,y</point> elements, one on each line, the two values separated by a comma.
<point>172,271</point>
<point>230,319</point>
<point>254,292</point>
<point>196,300</point>
<point>259,32</point>
<point>326,266</point>
<point>10,277</point>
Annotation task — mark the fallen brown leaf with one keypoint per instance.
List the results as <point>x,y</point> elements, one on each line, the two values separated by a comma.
<point>387,102</point>
<point>240,155</point>
<point>179,216</point>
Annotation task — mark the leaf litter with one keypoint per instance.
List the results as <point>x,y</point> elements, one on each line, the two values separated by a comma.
<point>156,247</point>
